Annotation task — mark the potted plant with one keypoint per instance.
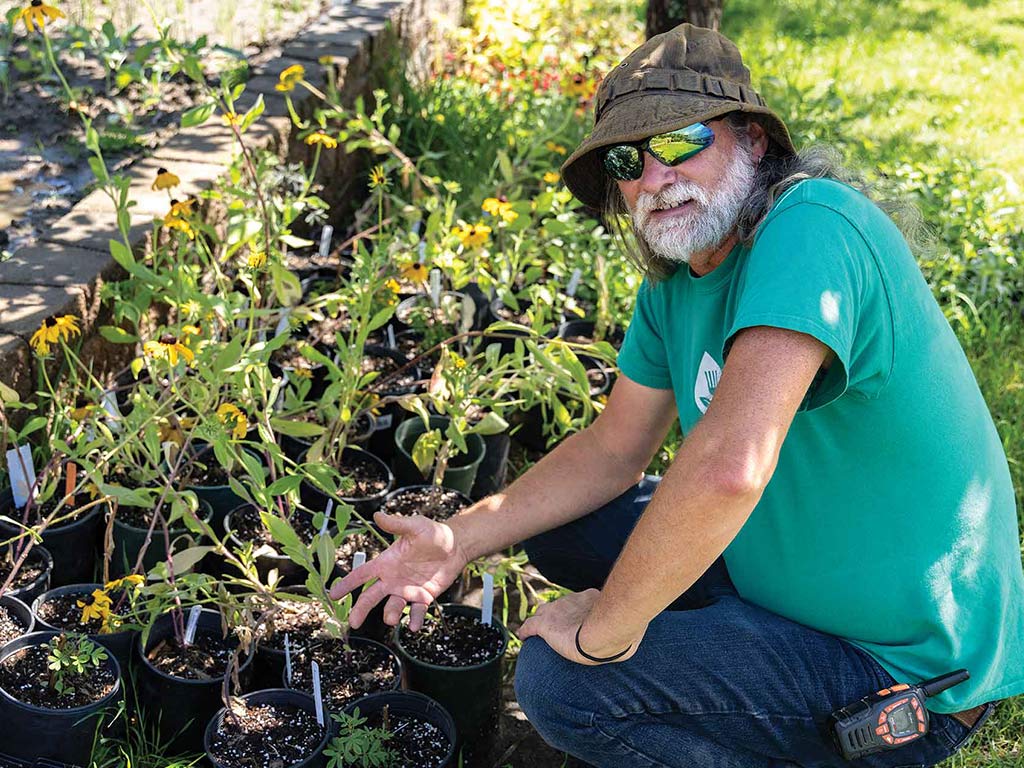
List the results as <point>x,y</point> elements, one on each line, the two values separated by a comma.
<point>55,689</point>
<point>25,576</point>
<point>455,659</point>
<point>389,730</point>
<point>274,727</point>
<point>302,619</point>
<point>181,679</point>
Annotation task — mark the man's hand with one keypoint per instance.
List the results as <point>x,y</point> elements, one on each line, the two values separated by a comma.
<point>556,622</point>
<point>417,568</point>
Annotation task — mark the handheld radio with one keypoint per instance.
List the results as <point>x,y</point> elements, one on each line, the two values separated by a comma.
<point>888,719</point>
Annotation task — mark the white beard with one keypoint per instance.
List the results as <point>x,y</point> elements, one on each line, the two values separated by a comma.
<point>710,220</point>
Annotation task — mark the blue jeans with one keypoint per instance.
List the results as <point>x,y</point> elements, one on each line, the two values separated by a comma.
<point>716,683</point>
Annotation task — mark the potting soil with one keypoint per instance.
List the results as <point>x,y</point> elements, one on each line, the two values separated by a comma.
<point>265,735</point>
<point>415,743</point>
<point>346,674</point>
<point>26,676</point>
<point>301,621</point>
<point>11,625</point>
<point>205,659</point>
<point>357,542</point>
<point>434,502</point>
<point>62,611</point>
<point>461,641</point>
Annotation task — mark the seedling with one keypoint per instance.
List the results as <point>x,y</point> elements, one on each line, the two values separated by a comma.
<point>358,745</point>
<point>69,657</point>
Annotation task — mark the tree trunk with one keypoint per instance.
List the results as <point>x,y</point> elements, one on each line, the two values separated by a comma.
<point>663,15</point>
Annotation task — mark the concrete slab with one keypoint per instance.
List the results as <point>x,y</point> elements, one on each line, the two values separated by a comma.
<point>54,264</point>
<point>94,229</point>
<point>328,36</point>
<point>194,176</point>
<point>24,307</point>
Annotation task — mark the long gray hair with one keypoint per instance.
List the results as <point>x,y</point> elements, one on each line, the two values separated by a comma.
<point>776,172</point>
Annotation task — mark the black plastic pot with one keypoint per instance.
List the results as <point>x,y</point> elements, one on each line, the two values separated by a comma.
<point>74,544</point>
<point>471,694</point>
<point>412,704</point>
<point>381,441</point>
<point>183,707</point>
<point>354,642</point>
<point>128,540</point>
<point>118,643</point>
<point>22,611</point>
<point>462,469</point>
<point>586,328</point>
<point>492,473</point>
<point>315,499</point>
<point>41,583</point>
<point>287,696</point>
<point>32,732</point>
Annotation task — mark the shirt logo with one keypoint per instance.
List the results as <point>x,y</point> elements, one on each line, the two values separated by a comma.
<point>707,381</point>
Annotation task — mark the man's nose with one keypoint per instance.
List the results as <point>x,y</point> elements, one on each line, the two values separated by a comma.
<point>656,175</point>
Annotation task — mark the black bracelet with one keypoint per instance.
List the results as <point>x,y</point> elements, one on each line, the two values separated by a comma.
<point>587,656</point>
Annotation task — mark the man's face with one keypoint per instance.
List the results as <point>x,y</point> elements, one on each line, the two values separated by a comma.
<point>692,207</point>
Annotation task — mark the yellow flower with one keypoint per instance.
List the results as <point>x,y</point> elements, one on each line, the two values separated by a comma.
<point>379,179</point>
<point>168,348</point>
<point>52,331</point>
<point>472,235</point>
<point>305,373</point>
<point>556,148</point>
<point>439,119</point>
<point>457,360</point>
<point>165,180</point>
<point>328,142</point>
<point>99,608</point>
<point>257,260</point>
<point>576,85</point>
<point>39,13</point>
<point>290,78</point>
<point>416,272</point>
<point>134,580</point>
<point>551,177</point>
<point>392,285</point>
<point>500,207</point>
<point>173,222</point>
<point>190,330</point>
<point>180,209</point>
<point>82,410</point>
<point>230,118</point>
<point>228,413</point>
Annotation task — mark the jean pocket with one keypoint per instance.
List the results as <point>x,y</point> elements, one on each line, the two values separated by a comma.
<point>955,733</point>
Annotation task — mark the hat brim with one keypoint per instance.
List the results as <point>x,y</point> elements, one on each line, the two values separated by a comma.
<point>644,115</point>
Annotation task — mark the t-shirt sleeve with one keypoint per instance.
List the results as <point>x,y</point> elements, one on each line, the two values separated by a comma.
<point>811,270</point>
<point>642,357</point>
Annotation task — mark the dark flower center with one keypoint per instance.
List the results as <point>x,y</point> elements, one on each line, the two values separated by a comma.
<point>168,339</point>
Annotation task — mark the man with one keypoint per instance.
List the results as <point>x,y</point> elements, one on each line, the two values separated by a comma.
<point>840,515</point>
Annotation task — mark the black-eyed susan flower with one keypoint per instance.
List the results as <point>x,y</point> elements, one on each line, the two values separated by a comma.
<point>39,13</point>
<point>290,78</point>
<point>99,608</point>
<point>558,149</point>
<point>500,208</point>
<point>168,348</point>
<point>323,139</point>
<point>133,580</point>
<point>164,180</point>
<point>232,416</point>
<point>392,285</point>
<point>551,177</point>
<point>576,85</point>
<point>256,260</point>
<point>472,235</point>
<point>173,222</point>
<point>416,272</point>
<point>52,330</point>
<point>181,208</point>
<point>379,179</point>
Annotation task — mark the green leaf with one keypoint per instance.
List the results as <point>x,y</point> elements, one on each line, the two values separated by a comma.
<point>198,115</point>
<point>117,335</point>
<point>186,559</point>
<point>296,428</point>
<point>424,451</point>
<point>284,485</point>
<point>254,112</point>
<point>295,242</point>
<point>490,424</point>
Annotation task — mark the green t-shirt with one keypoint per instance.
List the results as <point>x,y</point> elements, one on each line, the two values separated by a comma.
<point>890,520</point>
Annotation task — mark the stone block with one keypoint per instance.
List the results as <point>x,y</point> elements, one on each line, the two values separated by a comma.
<point>94,229</point>
<point>53,264</point>
<point>24,307</point>
<point>194,176</point>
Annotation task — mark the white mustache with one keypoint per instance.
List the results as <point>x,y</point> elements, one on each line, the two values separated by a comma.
<point>680,191</point>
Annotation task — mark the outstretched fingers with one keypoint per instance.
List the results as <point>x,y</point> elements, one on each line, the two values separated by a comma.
<point>416,615</point>
<point>355,578</point>
<point>393,610</point>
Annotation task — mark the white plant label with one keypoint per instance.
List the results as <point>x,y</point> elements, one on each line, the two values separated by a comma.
<point>22,474</point>
<point>574,282</point>
<point>383,422</point>
<point>327,517</point>
<point>422,250</point>
<point>109,403</point>
<point>287,659</point>
<point>193,622</point>
<point>317,695</point>
<point>325,240</point>
<point>487,606</point>
<point>435,287</point>
<point>391,337</point>
<point>282,324</point>
<point>358,559</point>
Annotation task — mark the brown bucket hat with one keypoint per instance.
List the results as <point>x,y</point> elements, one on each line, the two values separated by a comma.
<point>684,76</point>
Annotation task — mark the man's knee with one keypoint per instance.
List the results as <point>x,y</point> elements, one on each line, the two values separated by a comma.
<point>547,686</point>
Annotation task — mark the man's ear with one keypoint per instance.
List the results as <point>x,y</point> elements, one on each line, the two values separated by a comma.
<point>758,139</point>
